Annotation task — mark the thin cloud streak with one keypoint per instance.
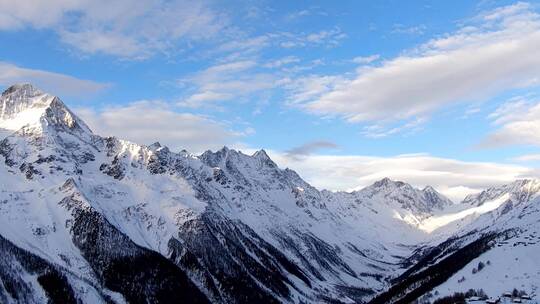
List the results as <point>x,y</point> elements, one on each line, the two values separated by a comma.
<point>309,148</point>
<point>60,84</point>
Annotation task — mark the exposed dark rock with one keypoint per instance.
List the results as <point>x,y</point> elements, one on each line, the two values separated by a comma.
<point>237,258</point>
<point>15,262</point>
<point>141,275</point>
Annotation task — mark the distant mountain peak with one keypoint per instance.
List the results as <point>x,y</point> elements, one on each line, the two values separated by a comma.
<point>387,182</point>
<point>519,191</point>
<point>263,157</point>
<point>214,159</point>
<point>24,105</point>
<point>527,182</point>
<point>261,154</point>
<point>403,194</point>
<point>428,188</point>
<point>22,89</point>
<point>384,181</point>
<point>155,146</point>
<point>21,97</point>
<point>220,157</point>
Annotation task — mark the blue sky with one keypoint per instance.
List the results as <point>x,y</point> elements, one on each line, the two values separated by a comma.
<point>432,92</point>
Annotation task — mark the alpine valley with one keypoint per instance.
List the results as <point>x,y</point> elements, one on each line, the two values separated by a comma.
<point>92,219</point>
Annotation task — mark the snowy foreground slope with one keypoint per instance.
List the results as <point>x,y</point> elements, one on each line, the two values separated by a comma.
<point>94,219</point>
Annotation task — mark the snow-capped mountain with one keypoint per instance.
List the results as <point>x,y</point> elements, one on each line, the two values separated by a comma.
<point>98,219</point>
<point>510,262</point>
<point>517,192</point>
<point>25,106</point>
<point>493,249</point>
<point>401,196</point>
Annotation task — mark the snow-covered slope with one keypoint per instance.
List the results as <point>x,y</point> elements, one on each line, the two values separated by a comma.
<point>107,220</point>
<point>518,192</point>
<point>512,261</point>
<point>492,249</point>
<point>458,216</point>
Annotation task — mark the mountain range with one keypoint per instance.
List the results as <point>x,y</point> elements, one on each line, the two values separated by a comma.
<point>93,219</point>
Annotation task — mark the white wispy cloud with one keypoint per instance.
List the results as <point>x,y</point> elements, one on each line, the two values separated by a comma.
<point>239,73</point>
<point>145,122</point>
<point>306,12</point>
<point>19,14</point>
<point>494,52</point>
<point>366,59</point>
<point>299,68</point>
<point>327,38</point>
<point>246,46</point>
<point>527,158</point>
<point>307,88</point>
<point>384,130</point>
<point>249,47</point>
<point>409,30</point>
<point>299,14</point>
<point>518,123</point>
<point>282,61</point>
<point>60,84</point>
<point>100,26</point>
<point>224,82</point>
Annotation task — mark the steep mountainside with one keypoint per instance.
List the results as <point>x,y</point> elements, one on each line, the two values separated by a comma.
<point>493,250</point>
<point>512,260</point>
<point>98,219</point>
<point>518,192</point>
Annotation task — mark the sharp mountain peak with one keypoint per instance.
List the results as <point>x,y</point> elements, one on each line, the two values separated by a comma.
<point>24,104</point>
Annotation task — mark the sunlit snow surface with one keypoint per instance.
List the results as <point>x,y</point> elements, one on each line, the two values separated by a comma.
<point>11,122</point>
<point>450,216</point>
